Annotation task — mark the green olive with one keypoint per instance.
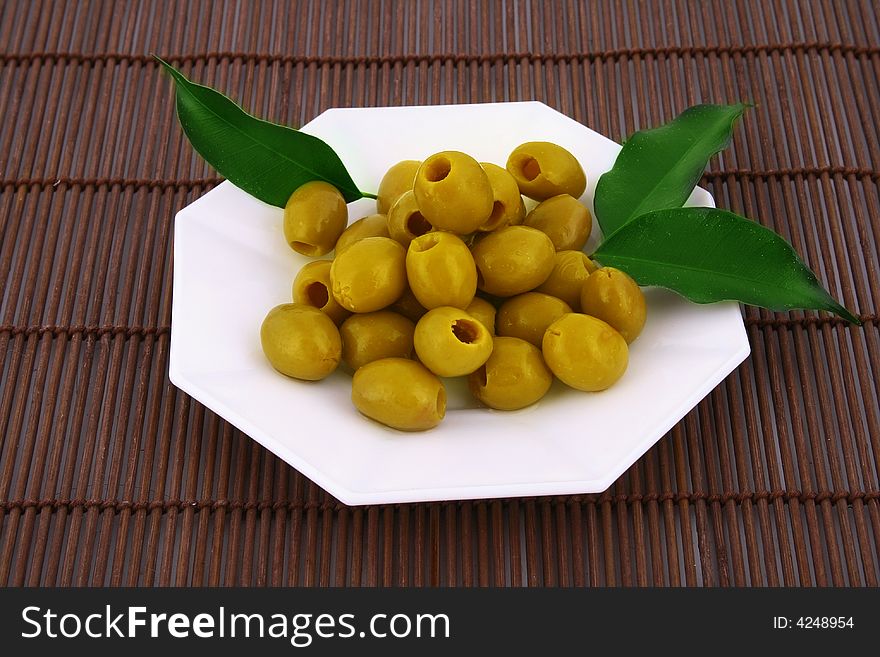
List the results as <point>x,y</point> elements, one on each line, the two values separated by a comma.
<point>408,306</point>
<point>566,221</point>
<point>515,376</point>
<point>565,282</point>
<point>508,208</point>
<point>584,352</point>
<point>400,393</point>
<point>405,222</point>
<point>527,316</point>
<point>370,336</point>
<point>314,218</point>
<point>369,275</point>
<point>375,225</point>
<point>453,192</point>
<point>450,342</point>
<point>615,298</point>
<point>301,341</point>
<point>483,312</point>
<point>397,180</point>
<point>513,260</point>
<point>542,169</point>
<point>441,270</point>
<point>312,287</point>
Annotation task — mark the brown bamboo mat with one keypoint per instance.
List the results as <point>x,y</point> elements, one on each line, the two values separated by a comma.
<point>109,475</point>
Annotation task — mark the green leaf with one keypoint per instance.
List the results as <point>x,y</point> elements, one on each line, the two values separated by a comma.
<point>266,160</point>
<point>712,255</point>
<point>659,168</point>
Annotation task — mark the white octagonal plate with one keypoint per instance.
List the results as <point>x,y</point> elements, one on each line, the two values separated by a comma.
<point>231,265</point>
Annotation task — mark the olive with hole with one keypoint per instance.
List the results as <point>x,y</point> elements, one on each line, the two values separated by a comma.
<point>370,336</point>
<point>399,393</point>
<point>543,169</point>
<point>513,260</point>
<point>374,225</point>
<point>397,180</point>
<point>405,221</point>
<point>527,316</point>
<point>314,217</point>
<point>312,287</point>
<point>301,341</point>
<point>564,219</point>
<point>508,208</point>
<point>570,270</point>
<point>616,299</point>
<point>369,275</point>
<point>484,312</point>
<point>441,270</point>
<point>450,342</point>
<point>453,192</point>
<point>584,352</point>
<point>515,376</point>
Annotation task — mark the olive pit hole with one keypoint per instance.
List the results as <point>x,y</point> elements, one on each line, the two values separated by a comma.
<point>417,225</point>
<point>441,401</point>
<point>305,248</point>
<point>530,168</point>
<point>317,294</point>
<point>426,244</point>
<point>465,331</point>
<point>437,169</point>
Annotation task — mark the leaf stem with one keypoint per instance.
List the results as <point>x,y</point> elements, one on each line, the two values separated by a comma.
<point>368,195</point>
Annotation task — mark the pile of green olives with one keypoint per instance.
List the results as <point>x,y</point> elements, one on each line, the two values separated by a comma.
<point>456,275</point>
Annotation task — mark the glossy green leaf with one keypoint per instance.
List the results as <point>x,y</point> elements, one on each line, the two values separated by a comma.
<point>659,168</point>
<point>710,255</point>
<point>267,160</point>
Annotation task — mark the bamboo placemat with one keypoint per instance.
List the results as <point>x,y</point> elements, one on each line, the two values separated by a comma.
<point>110,475</point>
